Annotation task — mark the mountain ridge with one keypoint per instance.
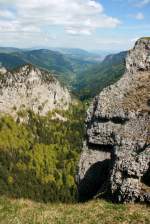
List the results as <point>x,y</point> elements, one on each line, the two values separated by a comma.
<point>81,74</point>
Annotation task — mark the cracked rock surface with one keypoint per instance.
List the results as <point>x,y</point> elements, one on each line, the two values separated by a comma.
<point>115,161</point>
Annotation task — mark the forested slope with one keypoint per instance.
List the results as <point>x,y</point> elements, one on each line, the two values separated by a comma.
<point>38,158</point>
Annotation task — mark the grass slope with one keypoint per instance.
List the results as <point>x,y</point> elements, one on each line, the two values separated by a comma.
<point>20,211</point>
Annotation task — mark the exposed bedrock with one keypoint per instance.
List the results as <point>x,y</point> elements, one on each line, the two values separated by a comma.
<point>31,88</point>
<point>115,161</point>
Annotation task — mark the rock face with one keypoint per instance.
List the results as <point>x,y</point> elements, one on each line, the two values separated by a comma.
<point>31,88</point>
<point>115,161</point>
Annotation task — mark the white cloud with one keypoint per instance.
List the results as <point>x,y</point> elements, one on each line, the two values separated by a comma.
<point>6,14</point>
<point>75,16</point>
<point>15,27</point>
<point>139,16</point>
<point>78,31</point>
<point>142,3</point>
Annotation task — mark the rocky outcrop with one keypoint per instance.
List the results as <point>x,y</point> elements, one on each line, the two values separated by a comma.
<point>115,161</point>
<point>31,88</point>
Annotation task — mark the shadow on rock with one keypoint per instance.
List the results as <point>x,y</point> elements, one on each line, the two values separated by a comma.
<point>95,181</point>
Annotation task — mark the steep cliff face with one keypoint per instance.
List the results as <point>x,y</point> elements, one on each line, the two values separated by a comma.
<point>116,156</point>
<point>31,88</point>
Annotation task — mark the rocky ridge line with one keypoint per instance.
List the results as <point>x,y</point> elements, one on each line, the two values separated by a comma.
<point>31,88</point>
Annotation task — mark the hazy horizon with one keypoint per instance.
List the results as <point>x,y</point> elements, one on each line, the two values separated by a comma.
<point>94,51</point>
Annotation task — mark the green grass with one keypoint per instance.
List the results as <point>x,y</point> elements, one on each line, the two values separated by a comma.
<point>20,211</point>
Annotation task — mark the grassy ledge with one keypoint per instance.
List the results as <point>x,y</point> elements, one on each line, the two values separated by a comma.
<point>94,212</point>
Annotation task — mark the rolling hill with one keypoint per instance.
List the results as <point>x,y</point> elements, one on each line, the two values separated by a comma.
<point>10,61</point>
<point>78,69</point>
<point>52,61</point>
<point>63,66</point>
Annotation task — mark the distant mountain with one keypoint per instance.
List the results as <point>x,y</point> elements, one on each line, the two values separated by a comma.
<point>64,66</point>
<point>112,59</point>
<point>52,61</point>
<point>80,59</point>
<point>81,54</point>
<point>73,51</point>
<point>103,53</point>
<point>94,79</point>
<point>82,71</point>
<point>11,61</point>
<point>9,49</point>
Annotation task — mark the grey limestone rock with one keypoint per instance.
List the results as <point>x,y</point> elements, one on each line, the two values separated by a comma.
<point>116,155</point>
<point>31,88</point>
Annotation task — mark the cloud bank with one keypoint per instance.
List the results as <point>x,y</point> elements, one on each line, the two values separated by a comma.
<point>74,16</point>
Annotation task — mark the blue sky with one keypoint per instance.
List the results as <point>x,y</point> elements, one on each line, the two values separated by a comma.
<point>112,25</point>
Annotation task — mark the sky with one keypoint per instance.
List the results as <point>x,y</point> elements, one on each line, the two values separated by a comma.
<point>108,25</point>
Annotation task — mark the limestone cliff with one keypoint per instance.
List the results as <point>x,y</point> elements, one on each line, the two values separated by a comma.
<point>116,156</point>
<point>31,88</point>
